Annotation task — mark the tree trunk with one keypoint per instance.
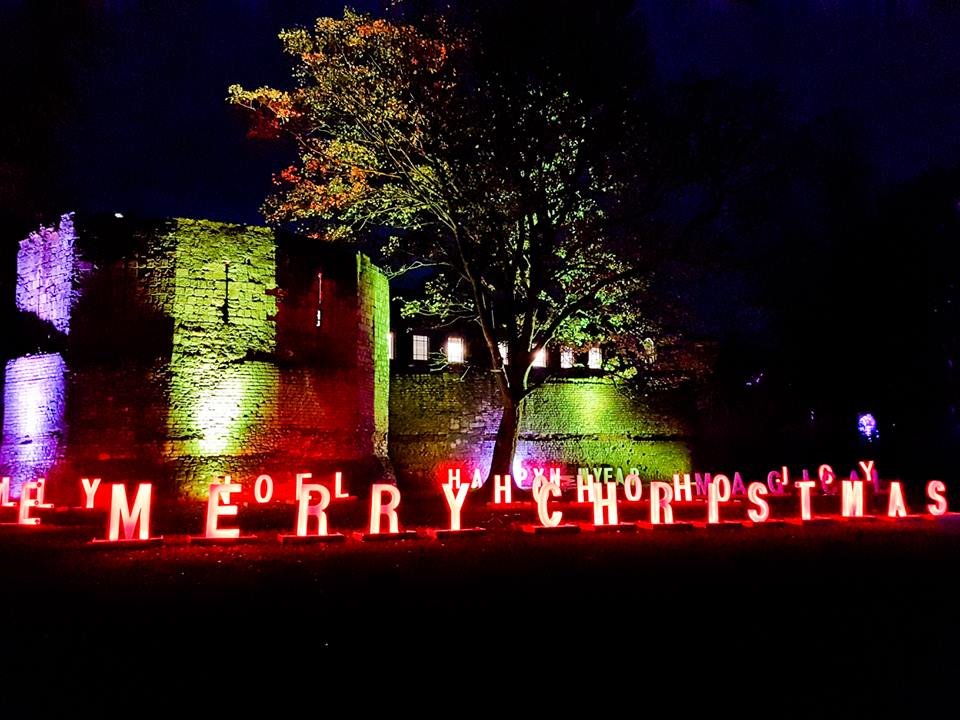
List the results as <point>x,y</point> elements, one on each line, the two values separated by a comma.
<point>506,444</point>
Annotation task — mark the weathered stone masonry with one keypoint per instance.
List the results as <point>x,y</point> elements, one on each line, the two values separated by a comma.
<point>189,349</point>
<point>440,420</point>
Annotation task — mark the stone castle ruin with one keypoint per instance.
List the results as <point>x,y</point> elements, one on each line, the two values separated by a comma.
<point>182,350</point>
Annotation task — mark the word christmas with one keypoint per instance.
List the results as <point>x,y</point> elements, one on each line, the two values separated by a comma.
<point>129,518</point>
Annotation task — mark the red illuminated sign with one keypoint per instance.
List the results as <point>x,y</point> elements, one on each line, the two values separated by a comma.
<point>725,502</point>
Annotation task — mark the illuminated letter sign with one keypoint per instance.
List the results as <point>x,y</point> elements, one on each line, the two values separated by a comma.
<point>682,490</point>
<point>605,499</point>
<point>378,509</point>
<point>870,474</point>
<point>724,490</point>
<point>455,502</point>
<point>827,478</point>
<point>718,491</point>
<point>300,478</point>
<point>502,489</point>
<point>805,487</point>
<point>778,481</point>
<point>896,507</point>
<point>755,493</point>
<point>28,499</point>
<point>41,489</point>
<point>632,487</point>
<point>548,519</point>
<point>584,488</point>
<point>739,489</point>
<point>263,489</point>
<point>703,483</point>
<point>937,491</point>
<point>661,495</point>
<point>453,477</point>
<point>338,491</point>
<point>5,493</point>
<point>305,509</point>
<point>89,491</point>
<point>120,512</point>
<point>216,510</point>
<point>519,476</point>
<point>852,498</point>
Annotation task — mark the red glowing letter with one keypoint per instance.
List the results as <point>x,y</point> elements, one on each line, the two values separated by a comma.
<point>896,507</point>
<point>584,488</point>
<point>724,489</point>
<point>5,493</point>
<point>455,502</point>
<point>718,491</point>
<point>41,489</point>
<point>661,495</point>
<point>539,480</point>
<point>305,509</point>
<point>713,502</point>
<point>632,487</point>
<point>869,474</point>
<point>28,499</point>
<point>776,482</point>
<point>477,481</point>
<point>739,490</point>
<point>827,477</point>
<point>120,512</point>
<point>548,519</point>
<point>519,476</point>
<point>300,478</point>
<point>502,489</point>
<point>605,498</point>
<point>89,491</point>
<point>682,491</point>
<point>378,509</point>
<point>852,498</point>
<point>338,491</point>
<point>453,477</point>
<point>263,489</point>
<point>805,487</point>
<point>216,510</point>
<point>755,494</point>
<point>702,482</point>
<point>937,492</point>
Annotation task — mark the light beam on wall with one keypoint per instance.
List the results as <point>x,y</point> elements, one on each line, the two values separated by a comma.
<point>33,427</point>
<point>217,409</point>
<point>45,268</point>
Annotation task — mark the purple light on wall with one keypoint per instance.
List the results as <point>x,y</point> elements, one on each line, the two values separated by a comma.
<point>45,267</point>
<point>33,402</point>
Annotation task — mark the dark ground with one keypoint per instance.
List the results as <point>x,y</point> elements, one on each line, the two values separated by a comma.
<point>847,619</point>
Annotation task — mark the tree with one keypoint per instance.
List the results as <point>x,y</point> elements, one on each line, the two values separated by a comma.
<point>530,200</point>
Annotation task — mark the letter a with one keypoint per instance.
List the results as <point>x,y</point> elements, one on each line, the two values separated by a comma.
<point>896,507</point>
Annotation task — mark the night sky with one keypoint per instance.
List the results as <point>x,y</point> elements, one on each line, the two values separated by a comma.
<point>141,125</point>
<point>118,106</point>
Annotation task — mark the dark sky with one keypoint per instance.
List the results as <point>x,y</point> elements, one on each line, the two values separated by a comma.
<point>141,125</point>
<point>892,65</point>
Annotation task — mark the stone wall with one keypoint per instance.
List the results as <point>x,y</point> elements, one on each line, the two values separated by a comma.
<point>34,399</point>
<point>197,349</point>
<point>45,273</point>
<point>373,349</point>
<point>439,420</point>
